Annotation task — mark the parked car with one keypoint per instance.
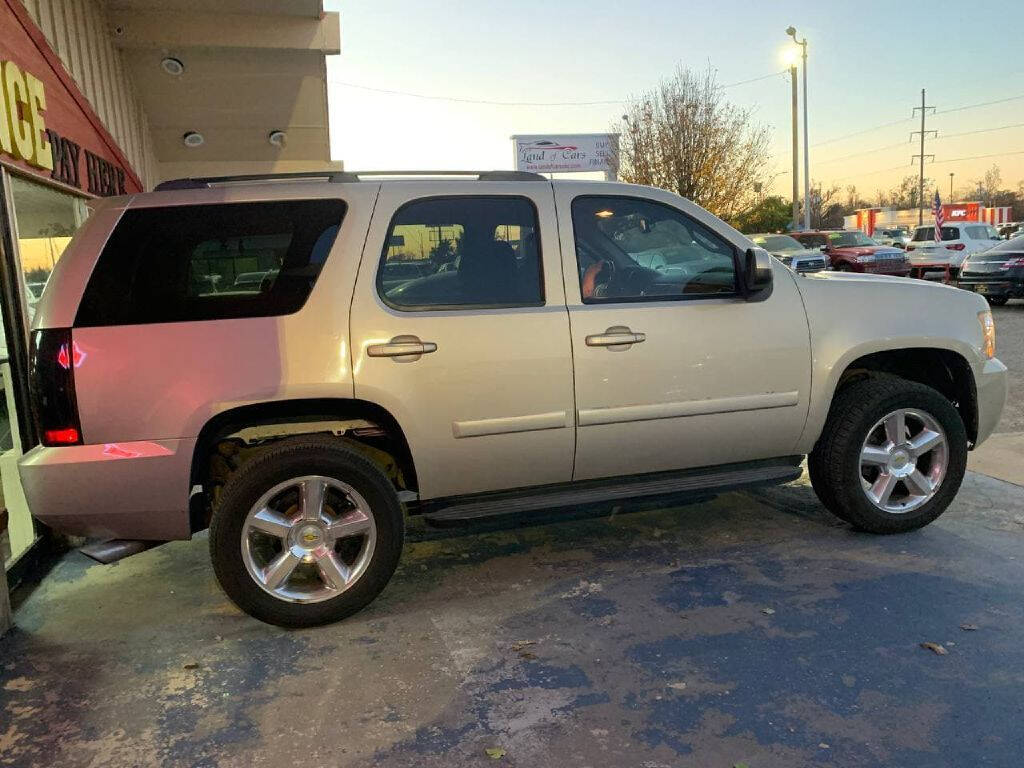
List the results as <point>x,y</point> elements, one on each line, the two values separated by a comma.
<point>959,241</point>
<point>1007,230</point>
<point>997,274</point>
<point>791,253</point>
<point>302,424</point>
<point>850,250</point>
<point>898,237</point>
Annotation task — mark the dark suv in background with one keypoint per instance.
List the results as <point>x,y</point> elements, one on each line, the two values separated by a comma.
<point>853,251</point>
<point>997,274</point>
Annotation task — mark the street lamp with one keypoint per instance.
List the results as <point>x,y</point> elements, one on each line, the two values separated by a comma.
<point>791,31</point>
<point>789,55</point>
<point>951,186</point>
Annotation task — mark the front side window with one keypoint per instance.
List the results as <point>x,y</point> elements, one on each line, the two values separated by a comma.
<point>454,252</point>
<point>208,262</point>
<point>630,249</point>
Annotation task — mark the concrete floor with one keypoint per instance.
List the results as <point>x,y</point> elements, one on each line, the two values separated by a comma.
<point>753,628</point>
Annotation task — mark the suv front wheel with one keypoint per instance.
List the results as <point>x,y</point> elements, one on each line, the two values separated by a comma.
<point>891,457</point>
<point>307,533</point>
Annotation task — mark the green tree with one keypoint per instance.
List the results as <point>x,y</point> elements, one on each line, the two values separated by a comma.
<point>772,214</point>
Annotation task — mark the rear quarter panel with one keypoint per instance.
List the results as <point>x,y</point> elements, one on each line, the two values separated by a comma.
<point>166,380</point>
<point>854,315</point>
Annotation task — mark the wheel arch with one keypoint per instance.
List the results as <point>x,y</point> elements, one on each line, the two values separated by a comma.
<point>282,412</point>
<point>944,369</point>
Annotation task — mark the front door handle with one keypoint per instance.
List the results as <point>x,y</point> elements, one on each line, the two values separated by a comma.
<point>616,338</point>
<point>402,349</point>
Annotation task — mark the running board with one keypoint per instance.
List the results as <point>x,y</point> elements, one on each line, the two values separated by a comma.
<point>453,512</point>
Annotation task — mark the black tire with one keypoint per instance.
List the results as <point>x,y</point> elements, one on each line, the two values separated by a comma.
<point>997,301</point>
<point>283,461</point>
<point>834,464</point>
<point>844,267</point>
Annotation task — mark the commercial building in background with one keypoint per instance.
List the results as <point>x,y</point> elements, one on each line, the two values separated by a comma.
<point>868,219</point>
<point>110,97</point>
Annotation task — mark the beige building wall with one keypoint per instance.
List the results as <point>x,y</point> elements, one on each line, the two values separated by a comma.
<point>78,32</point>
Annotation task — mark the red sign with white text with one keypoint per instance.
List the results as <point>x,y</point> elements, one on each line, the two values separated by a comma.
<point>47,127</point>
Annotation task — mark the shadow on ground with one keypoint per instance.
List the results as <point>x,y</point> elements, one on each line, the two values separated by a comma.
<point>751,628</point>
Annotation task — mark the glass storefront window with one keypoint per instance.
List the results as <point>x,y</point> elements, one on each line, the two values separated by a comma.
<point>45,220</point>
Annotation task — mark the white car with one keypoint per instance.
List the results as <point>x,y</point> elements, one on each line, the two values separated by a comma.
<point>897,236</point>
<point>959,241</point>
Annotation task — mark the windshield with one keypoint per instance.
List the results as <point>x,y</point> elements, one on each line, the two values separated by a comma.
<point>922,234</point>
<point>846,239</point>
<point>777,243</point>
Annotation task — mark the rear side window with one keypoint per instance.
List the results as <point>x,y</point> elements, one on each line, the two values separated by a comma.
<point>921,234</point>
<point>454,252</point>
<point>210,262</point>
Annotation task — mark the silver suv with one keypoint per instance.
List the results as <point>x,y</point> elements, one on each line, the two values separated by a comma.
<point>466,347</point>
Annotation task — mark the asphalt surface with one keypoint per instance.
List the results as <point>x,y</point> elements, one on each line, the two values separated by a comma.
<point>754,628</point>
<point>1010,349</point>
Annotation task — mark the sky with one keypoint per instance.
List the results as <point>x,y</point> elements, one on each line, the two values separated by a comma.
<point>868,62</point>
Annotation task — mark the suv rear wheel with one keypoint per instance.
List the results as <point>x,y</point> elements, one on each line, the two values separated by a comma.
<point>891,457</point>
<point>307,533</point>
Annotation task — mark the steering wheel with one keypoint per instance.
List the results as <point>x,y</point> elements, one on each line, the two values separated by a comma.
<point>591,275</point>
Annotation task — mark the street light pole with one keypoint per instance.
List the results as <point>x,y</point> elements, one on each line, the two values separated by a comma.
<point>791,31</point>
<point>951,186</point>
<point>796,152</point>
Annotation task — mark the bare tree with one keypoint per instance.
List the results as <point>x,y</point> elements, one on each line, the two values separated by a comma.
<point>685,137</point>
<point>826,210</point>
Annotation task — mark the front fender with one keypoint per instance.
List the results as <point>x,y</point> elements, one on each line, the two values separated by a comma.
<point>852,315</point>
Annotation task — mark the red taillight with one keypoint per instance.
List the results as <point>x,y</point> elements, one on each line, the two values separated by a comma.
<point>955,247</point>
<point>67,436</point>
<point>52,375</point>
<point>1011,263</point>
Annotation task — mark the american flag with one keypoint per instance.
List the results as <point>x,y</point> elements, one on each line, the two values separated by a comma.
<point>939,218</point>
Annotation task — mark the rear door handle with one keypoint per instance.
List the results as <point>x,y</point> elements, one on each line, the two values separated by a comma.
<point>402,349</point>
<point>616,338</point>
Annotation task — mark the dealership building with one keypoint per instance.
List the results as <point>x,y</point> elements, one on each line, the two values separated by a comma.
<point>111,97</point>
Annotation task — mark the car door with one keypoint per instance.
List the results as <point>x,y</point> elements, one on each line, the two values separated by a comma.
<point>674,369</point>
<point>471,353</point>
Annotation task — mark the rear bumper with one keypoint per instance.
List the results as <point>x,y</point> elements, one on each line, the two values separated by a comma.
<point>992,286</point>
<point>992,382</point>
<point>136,490</point>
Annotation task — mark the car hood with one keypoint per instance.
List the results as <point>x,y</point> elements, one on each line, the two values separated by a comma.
<point>807,253</point>
<point>866,250</point>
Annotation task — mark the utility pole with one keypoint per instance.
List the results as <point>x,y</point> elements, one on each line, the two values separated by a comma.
<point>796,153</point>
<point>791,31</point>
<point>920,179</point>
<point>951,186</point>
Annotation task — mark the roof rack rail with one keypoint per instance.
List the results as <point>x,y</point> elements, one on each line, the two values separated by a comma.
<point>338,177</point>
<point>203,182</point>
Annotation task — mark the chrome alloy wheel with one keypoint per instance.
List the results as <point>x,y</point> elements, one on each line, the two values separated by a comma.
<point>903,460</point>
<point>308,539</point>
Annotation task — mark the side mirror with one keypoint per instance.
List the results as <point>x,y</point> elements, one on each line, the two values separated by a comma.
<point>825,248</point>
<point>757,271</point>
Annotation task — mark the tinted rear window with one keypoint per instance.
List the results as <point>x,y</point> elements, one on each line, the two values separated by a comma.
<point>209,262</point>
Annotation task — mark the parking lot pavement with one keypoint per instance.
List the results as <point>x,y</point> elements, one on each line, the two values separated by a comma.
<point>753,628</point>
<point>1010,349</point>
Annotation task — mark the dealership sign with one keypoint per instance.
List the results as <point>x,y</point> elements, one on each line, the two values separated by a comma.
<point>566,153</point>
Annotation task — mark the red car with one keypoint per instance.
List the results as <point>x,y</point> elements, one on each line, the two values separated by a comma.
<point>850,250</point>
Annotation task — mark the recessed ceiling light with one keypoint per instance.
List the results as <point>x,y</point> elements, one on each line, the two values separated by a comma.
<point>192,139</point>
<point>277,138</point>
<point>172,66</point>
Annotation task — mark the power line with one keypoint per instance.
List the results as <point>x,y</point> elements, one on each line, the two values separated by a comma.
<point>909,119</point>
<point>940,137</point>
<point>979,104</point>
<point>488,102</point>
<point>936,162</point>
